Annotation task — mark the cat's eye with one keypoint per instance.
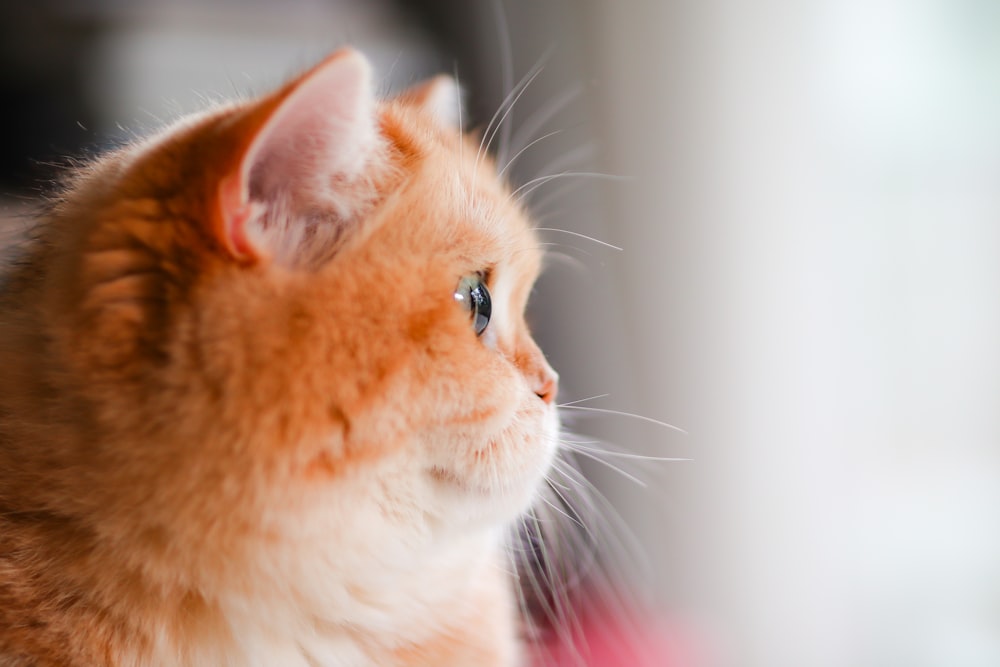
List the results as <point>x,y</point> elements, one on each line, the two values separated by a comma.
<point>473,296</point>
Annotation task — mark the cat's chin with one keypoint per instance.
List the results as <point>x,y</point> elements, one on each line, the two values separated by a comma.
<point>465,505</point>
<point>506,478</point>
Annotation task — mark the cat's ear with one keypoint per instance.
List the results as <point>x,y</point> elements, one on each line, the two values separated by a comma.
<point>439,97</point>
<point>316,131</point>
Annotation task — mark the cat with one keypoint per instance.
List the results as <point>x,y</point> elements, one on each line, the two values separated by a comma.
<point>268,393</point>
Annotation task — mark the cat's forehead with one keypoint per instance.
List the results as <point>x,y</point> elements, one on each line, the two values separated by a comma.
<point>479,210</point>
<point>453,188</point>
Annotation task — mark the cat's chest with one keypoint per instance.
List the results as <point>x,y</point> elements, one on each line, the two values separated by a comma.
<point>308,650</point>
<point>458,613</point>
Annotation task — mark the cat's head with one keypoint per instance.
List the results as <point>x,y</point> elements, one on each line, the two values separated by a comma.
<point>301,317</point>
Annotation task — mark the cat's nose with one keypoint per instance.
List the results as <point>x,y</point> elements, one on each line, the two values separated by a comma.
<point>546,383</point>
<point>541,378</point>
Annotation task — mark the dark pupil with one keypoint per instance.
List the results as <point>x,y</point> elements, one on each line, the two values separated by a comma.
<point>479,298</point>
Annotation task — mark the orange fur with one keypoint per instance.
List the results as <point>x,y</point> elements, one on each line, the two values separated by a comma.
<point>212,454</point>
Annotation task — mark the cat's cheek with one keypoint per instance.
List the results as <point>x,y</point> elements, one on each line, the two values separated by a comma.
<point>546,446</point>
<point>527,468</point>
<point>499,478</point>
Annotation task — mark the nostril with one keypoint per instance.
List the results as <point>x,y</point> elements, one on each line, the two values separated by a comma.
<point>547,391</point>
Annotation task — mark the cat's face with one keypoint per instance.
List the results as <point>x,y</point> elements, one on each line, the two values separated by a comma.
<point>279,324</point>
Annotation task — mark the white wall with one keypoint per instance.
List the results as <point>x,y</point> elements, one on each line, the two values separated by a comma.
<point>812,261</point>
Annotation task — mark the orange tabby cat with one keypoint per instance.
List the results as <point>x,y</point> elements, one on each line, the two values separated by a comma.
<point>268,397</point>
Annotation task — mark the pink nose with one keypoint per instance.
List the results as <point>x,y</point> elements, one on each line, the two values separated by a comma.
<point>547,384</point>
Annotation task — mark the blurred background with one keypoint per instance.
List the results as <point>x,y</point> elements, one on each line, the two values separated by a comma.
<point>806,199</point>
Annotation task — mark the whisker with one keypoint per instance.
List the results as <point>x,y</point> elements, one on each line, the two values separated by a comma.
<point>527,188</point>
<point>553,482</point>
<point>579,447</point>
<point>605,514</point>
<point>579,235</point>
<point>515,535</point>
<point>540,207</point>
<point>512,572</point>
<point>568,161</point>
<point>574,262</point>
<point>532,579</point>
<point>636,464</point>
<point>543,216</point>
<point>579,442</point>
<point>599,513</point>
<point>507,70</point>
<point>506,107</point>
<point>537,120</point>
<point>626,414</point>
<point>546,248</point>
<point>520,152</point>
<point>560,491</point>
<point>582,400</point>
<point>575,520</point>
<point>611,466</point>
<point>545,245</point>
<point>461,123</point>
<point>558,569</point>
<point>568,625</point>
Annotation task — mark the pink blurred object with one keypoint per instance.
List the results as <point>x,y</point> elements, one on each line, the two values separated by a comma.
<point>605,639</point>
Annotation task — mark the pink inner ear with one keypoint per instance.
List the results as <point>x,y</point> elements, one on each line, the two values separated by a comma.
<point>322,131</point>
<point>237,212</point>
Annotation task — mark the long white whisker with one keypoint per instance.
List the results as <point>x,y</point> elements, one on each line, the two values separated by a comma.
<point>535,584</point>
<point>552,258</point>
<point>515,536</point>
<point>461,120</point>
<point>575,520</point>
<point>520,152</point>
<point>537,120</point>
<point>506,108</point>
<point>553,244</point>
<point>611,466</point>
<point>527,188</point>
<point>626,414</point>
<point>568,624</point>
<point>579,235</point>
<point>579,442</point>
<point>542,216</point>
<point>540,207</point>
<point>507,71</point>
<point>567,161</point>
<point>561,491</point>
<point>581,400</point>
<point>616,542</point>
<point>604,512</point>
<point>578,521</point>
<point>578,447</point>
<point>600,526</point>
